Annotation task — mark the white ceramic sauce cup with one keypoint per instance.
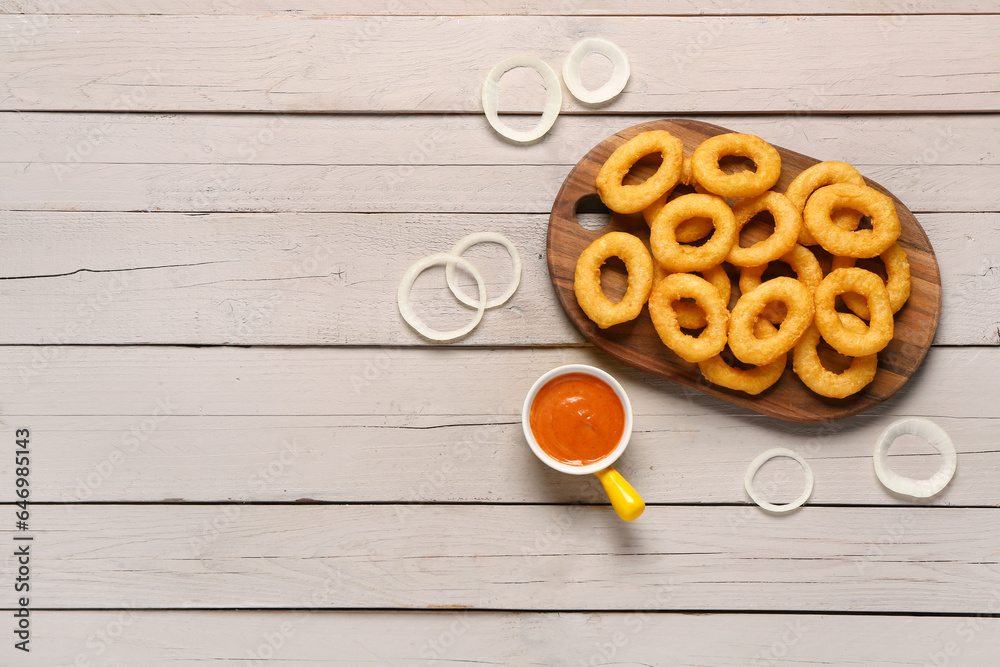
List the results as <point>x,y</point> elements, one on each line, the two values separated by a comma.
<point>623,497</point>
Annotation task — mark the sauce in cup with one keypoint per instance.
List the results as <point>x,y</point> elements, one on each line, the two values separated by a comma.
<point>577,419</point>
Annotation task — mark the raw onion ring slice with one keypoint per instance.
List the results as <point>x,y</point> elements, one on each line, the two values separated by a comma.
<point>907,486</point>
<point>613,86</point>
<point>406,310</point>
<point>761,460</point>
<point>553,98</point>
<point>484,237</point>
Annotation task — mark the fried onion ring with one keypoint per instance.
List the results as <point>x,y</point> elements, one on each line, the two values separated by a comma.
<point>803,263</point>
<point>809,368</point>
<point>861,243</point>
<point>690,315</point>
<point>587,280</point>
<point>750,349</point>
<point>897,270</point>
<point>841,338</point>
<point>688,179</point>
<point>787,223</point>
<point>817,176</point>
<point>633,198</point>
<point>712,339</point>
<point>663,233</point>
<point>705,165</point>
<point>751,381</point>
<point>688,231</point>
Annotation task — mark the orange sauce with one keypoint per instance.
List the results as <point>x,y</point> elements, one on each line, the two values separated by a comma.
<point>577,419</point>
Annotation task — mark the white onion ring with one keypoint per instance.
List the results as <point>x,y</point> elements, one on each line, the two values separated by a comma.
<point>613,86</point>
<point>907,486</point>
<point>468,242</point>
<point>553,98</point>
<point>403,296</point>
<point>767,456</point>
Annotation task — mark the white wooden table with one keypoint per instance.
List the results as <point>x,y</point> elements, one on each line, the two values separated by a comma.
<point>240,454</point>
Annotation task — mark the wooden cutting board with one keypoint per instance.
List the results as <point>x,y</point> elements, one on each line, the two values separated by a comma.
<point>637,344</point>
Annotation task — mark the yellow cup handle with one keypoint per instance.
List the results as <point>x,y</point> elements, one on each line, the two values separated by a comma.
<point>623,497</point>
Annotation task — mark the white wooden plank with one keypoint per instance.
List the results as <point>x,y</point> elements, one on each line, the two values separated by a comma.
<point>331,279</point>
<point>386,64</point>
<point>493,7</point>
<point>456,638</point>
<point>541,557</point>
<point>406,384</point>
<point>369,425</point>
<point>392,188</point>
<point>412,140</point>
<point>435,163</point>
<point>407,163</point>
<point>680,456</point>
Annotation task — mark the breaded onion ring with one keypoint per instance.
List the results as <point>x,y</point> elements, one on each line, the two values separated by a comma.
<point>803,263</point>
<point>674,287</point>
<point>787,223</point>
<point>844,340</point>
<point>688,231</point>
<point>690,315</point>
<point>677,258</point>
<point>705,165</point>
<point>659,273</point>
<point>751,381</point>
<point>633,198</point>
<point>809,368</point>
<point>897,271</point>
<point>587,281</point>
<point>817,176</point>
<point>688,179</point>
<point>752,350</point>
<point>861,243</point>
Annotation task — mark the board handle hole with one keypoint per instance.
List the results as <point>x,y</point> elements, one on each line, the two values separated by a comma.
<point>591,213</point>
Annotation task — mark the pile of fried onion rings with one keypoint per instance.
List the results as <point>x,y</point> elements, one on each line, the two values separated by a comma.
<point>696,210</point>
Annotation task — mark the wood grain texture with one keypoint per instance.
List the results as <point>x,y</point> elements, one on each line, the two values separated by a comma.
<point>637,342</point>
<point>373,163</point>
<point>456,638</point>
<point>51,381</point>
<point>330,279</point>
<point>495,8</point>
<point>682,456</point>
<point>897,142</point>
<point>531,558</point>
<point>234,187</point>
<point>282,425</point>
<point>423,64</point>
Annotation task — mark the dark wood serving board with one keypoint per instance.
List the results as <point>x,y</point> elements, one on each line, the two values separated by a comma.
<point>637,344</point>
